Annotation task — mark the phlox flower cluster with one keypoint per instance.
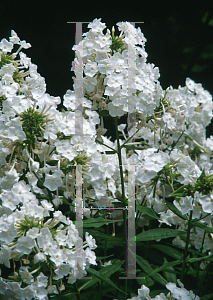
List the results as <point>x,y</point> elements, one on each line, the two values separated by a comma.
<point>39,152</point>
<point>54,243</point>
<point>179,293</point>
<point>44,243</point>
<point>105,59</point>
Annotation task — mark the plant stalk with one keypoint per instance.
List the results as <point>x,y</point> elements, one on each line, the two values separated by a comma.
<point>124,211</point>
<point>186,247</point>
<point>77,291</point>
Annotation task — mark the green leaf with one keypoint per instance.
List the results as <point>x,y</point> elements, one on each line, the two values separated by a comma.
<point>148,211</point>
<point>202,175</point>
<point>52,162</point>
<point>66,202</point>
<point>171,251</point>
<point>132,147</point>
<point>38,196</point>
<point>97,234</point>
<point>104,278</point>
<point>40,184</point>
<point>97,222</point>
<point>188,49</point>
<point>207,257</point>
<point>179,192</point>
<point>165,266</point>
<point>169,273</point>
<point>144,264</point>
<point>103,113</point>
<point>111,152</point>
<point>197,68</point>
<point>89,283</point>
<point>200,225</point>
<point>64,297</point>
<point>145,280</point>
<point>175,210</point>
<point>204,18</point>
<point>157,234</point>
<point>109,270</point>
<point>147,218</point>
<point>103,257</point>
<point>105,271</point>
<point>207,297</point>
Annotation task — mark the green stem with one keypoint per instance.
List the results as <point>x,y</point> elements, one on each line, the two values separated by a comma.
<point>77,291</point>
<point>124,211</point>
<point>186,247</point>
<point>201,248</point>
<point>173,146</point>
<point>120,160</point>
<point>105,145</point>
<point>39,179</point>
<point>204,216</point>
<point>129,138</point>
<point>196,143</point>
<point>138,212</point>
<point>105,246</point>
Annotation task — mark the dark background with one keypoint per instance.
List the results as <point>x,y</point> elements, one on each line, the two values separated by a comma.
<point>179,36</point>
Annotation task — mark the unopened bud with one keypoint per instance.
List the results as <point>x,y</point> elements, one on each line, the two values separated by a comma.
<point>62,288</point>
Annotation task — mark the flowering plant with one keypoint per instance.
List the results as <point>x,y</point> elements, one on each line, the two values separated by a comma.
<point>165,155</point>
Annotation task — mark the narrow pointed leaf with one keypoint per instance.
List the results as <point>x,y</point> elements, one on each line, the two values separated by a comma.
<point>165,266</point>
<point>104,278</point>
<point>200,225</point>
<point>157,234</point>
<point>169,272</point>
<point>148,211</point>
<point>105,271</point>
<point>97,222</point>
<point>208,297</point>
<point>171,251</point>
<point>203,258</point>
<point>176,211</point>
<point>179,192</point>
<point>144,264</point>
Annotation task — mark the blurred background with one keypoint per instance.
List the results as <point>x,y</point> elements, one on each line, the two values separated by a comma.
<point>179,36</point>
